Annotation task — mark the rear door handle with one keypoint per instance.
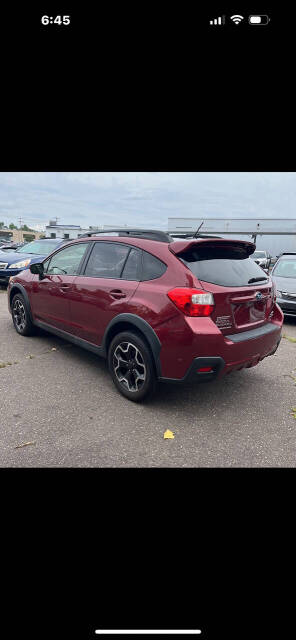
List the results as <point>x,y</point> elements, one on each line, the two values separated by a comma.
<point>117,293</point>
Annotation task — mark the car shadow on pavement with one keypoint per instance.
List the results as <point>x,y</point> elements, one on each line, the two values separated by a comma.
<point>201,395</point>
<point>78,352</point>
<point>236,388</point>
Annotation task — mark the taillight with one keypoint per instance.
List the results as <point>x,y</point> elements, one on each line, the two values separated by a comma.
<point>193,302</point>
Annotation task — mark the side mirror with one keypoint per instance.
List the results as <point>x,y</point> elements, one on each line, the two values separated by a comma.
<point>37,269</point>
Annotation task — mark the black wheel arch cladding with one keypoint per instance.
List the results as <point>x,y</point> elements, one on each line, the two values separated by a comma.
<point>138,323</point>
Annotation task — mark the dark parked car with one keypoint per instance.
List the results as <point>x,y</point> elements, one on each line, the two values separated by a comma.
<point>284,276</point>
<point>14,262</point>
<point>5,243</point>
<point>157,309</point>
<point>262,258</point>
<point>12,246</point>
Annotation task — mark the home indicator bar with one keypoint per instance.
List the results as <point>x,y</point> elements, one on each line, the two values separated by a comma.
<point>148,632</point>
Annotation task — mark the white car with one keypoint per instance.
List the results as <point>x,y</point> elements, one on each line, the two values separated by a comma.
<point>262,258</point>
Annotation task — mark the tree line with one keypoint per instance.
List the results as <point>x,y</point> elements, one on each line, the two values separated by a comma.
<point>13,226</point>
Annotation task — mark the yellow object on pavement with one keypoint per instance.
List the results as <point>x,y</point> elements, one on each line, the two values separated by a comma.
<point>168,434</point>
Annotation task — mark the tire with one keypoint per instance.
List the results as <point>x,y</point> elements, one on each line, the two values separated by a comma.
<point>21,316</point>
<point>134,382</point>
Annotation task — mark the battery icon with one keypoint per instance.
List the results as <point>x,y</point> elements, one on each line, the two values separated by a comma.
<point>258,20</point>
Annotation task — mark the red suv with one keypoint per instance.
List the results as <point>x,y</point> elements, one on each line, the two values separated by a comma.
<point>155,307</point>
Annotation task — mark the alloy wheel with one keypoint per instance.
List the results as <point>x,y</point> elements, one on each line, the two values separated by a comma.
<point>129,367</point>
<point>19,315</point>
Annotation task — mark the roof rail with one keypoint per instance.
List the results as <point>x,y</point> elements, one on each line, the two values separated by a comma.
<point>145,234</point>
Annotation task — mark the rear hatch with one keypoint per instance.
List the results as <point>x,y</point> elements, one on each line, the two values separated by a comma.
<point>243,292</point>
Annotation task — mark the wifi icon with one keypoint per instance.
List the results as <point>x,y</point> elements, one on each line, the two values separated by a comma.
<point>236,19</point>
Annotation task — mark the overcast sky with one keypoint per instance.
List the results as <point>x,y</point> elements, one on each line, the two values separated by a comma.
<point>143,199</point>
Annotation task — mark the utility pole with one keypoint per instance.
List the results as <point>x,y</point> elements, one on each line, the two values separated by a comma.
<point>21,233</point>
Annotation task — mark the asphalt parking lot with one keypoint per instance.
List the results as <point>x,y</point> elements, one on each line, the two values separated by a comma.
<point>61,399</point>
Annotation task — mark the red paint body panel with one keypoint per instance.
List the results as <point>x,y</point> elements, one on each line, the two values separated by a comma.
<point>92,305</point>
<point>241,306</point>
<point>50,300</point>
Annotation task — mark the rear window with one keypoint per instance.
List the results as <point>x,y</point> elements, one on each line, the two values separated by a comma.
<point>228,267</point>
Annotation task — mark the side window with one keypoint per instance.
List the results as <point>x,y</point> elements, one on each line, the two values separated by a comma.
<point>67,261</point>
<point>106,260</point>
<point>132,268</point>
<point>152,267</point>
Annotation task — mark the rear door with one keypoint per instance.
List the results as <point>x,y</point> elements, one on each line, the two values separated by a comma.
<point>109,280</point>
<point>243,292</point>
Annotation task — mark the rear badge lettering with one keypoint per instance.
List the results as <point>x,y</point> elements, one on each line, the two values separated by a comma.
<point>224,322</point>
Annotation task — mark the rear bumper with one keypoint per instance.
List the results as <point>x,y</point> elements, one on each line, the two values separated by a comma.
<point>203,339</point>
<point>216,363</point>
<point>218,367</point>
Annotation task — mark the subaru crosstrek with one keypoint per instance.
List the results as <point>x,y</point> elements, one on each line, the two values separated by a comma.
<point>157,309</point>
<point>14,262</point>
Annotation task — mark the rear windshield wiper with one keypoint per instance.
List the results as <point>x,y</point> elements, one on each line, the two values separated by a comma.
<point>256,279</point>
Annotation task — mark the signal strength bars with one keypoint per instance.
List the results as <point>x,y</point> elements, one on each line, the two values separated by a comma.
<point>218,21</point>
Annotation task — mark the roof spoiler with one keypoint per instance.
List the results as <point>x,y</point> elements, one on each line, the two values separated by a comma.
<point>186,246</point>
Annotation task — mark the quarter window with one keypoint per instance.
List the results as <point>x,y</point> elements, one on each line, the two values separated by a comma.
<point>67,261</point>
<point>152,267</point>
<point>106,260</point>
<point>132,266</point>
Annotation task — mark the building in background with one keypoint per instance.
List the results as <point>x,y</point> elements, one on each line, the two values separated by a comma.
<point>5,234</point>
<point>270,234</point>
<point>19,235</point>
<point>68,231</point>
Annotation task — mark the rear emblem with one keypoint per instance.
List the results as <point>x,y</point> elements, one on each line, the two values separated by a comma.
<point>224,322</point>
<point>259,295</point>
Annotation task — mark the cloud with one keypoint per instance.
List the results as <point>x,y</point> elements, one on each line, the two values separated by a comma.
<point>143,198</point>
